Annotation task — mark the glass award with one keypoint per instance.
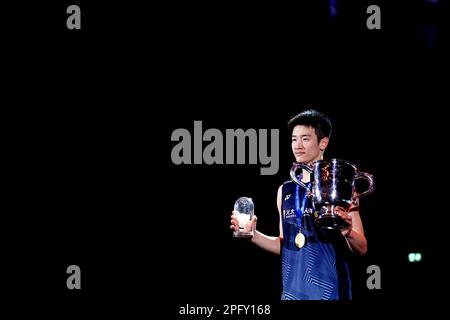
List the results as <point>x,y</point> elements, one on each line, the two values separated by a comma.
<point>244,210</point>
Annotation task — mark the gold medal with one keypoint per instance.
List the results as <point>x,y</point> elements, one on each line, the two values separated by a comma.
<point>300,239</point>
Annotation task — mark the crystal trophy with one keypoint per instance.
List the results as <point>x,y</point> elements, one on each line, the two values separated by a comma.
<point>244,210</point>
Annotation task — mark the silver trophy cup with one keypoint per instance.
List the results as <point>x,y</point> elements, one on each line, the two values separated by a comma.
<point>332,185</point>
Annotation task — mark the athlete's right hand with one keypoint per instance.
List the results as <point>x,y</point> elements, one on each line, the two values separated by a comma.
<point>249,226</point>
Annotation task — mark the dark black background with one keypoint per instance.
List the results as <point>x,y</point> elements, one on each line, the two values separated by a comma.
<point>89,115</point>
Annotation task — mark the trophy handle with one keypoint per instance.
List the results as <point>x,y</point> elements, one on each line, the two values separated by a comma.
<point>294,168</point>
<point>369,178</point>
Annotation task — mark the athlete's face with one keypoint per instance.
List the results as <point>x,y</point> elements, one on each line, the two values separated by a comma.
<point>305,146</point>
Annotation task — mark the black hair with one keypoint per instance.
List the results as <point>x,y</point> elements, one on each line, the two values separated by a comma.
<point>312,118</point>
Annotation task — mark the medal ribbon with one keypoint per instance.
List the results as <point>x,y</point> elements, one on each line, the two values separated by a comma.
<point>299,210</point>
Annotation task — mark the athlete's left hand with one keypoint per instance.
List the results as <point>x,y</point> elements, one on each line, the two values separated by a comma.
<point>343,213</point>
